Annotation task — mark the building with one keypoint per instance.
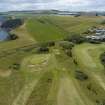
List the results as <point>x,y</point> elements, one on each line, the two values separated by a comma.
<point>99,35</point>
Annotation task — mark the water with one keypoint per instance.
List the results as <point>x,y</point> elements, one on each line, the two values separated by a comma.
<point>3,35</point>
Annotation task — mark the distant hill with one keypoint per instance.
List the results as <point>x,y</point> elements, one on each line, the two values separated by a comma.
<point>38,12</point>
<point>51,12</point>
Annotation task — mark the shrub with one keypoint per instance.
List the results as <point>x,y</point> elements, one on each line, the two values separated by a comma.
<point>103,22</point>
<point>89,87</point>
<point>11,24</point>
<point>15,66</point>
<point>13,37</point>
<point>80,75</point>
<point>77,15</point>
<point>77,39</point>
<point>50,43</point>
<point>102,58</point>
<point>87,32</point>
<point>66,44</point>
<point>75,62</point>
<point>100,102</point>
<point>69,53</point>
<point>43,50</point>
<point>41,21</point>
<point>94,41</point>
<point>47,44</point>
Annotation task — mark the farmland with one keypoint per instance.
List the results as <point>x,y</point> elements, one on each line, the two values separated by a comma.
<point>28,77</point>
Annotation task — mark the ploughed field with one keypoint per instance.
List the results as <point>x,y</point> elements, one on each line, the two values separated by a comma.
<point>54,78</point>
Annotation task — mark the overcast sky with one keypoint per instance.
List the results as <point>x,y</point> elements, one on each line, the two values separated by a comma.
<point>72,5</point>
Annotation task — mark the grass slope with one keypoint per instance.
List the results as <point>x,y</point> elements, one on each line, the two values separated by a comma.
<point>45,28</point>
<point>41,30</point>
<point>49,79</point>
<point>90,64</point>
<point>72,25</point>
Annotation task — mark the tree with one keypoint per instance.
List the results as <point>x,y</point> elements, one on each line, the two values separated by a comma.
<point>15,66</point>
<point>102,58</point>
<point>77,39</point>
<point>12,23</point>
<point>66,44</point>
<point>47,44</point>
<point>13,37</point>
<point>43,50</point>
<point>80,75</point>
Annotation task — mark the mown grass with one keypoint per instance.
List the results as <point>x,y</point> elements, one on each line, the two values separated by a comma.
<point>40,93</point>
<point>91,53</point>
<point>10,86</point>
<point>14,51</point>
<point>14,56</point>
<point>45,92</point>
<point>40,29</point>
<point>88,59</point>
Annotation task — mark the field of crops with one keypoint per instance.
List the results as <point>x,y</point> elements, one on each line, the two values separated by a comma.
<point>53,78</point>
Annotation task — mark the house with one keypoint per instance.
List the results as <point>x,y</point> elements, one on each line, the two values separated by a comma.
<point>100,30</point>
<point>98,36</point>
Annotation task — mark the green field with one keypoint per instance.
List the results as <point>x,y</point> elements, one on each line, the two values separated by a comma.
<point>46,28</point>
<point>29,78</point>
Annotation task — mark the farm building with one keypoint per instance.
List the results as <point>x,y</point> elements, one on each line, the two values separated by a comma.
<point>99,35</point>
<point>100,31</point>
<point>96,37</point>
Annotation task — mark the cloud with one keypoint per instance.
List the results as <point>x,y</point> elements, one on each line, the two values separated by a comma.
<point>74,5</point>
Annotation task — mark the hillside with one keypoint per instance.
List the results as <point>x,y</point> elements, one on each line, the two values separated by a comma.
<point>44,28</point>
<point>33,74</point>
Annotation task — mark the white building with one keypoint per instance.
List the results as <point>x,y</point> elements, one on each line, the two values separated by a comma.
<point>99,35</point>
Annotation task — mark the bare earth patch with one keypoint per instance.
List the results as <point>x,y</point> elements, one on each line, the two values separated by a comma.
<point>36,62</point>
<point>5,73</point>
<point>25,93</point>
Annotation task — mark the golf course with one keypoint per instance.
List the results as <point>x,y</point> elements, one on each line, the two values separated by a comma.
<point>33,74</point>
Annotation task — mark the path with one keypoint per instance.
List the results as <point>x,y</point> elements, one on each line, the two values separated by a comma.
<point>68,94</point>
<point>25,93</point>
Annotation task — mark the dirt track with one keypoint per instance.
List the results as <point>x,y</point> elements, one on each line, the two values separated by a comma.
<point>68,94</point>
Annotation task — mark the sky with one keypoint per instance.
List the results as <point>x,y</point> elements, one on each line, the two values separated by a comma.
<point>71,5</point>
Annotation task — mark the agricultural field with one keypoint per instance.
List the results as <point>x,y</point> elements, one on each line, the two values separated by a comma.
<point>31,74</point>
